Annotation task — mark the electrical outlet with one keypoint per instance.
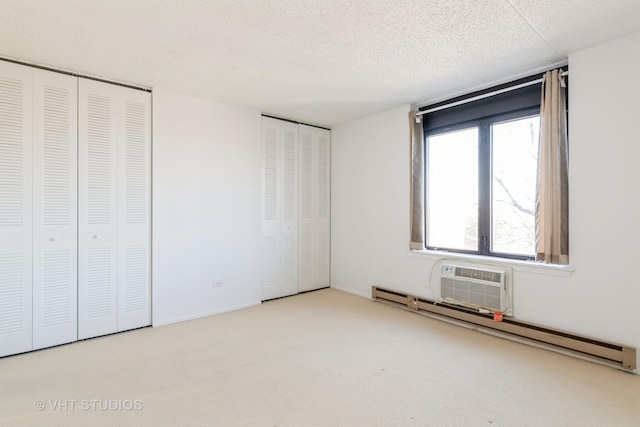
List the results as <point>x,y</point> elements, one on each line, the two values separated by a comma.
<point>218,283</point>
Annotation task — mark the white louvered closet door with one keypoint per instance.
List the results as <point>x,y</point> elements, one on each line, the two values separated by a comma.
<point>54,209</point>
<point>314,272</point>
<point>134,197</point>
<point>323,209</point>
<point>308,203</point>
<point>15,208</point>
<point>279,208</point>
<point>289,231</point>
<point>97,209</point>
<point>271,274</point>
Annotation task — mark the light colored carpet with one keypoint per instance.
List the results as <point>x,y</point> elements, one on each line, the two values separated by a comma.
<point>324,358</point>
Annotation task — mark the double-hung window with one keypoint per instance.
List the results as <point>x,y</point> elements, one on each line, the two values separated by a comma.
<point>480,173</point>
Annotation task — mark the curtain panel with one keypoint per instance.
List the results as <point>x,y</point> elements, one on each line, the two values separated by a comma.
<point>552,192</point>
<point>417,182</point>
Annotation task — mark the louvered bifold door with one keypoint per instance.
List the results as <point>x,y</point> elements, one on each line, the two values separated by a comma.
<point>55,209</point>
<point>134,197</point>
<point>97,213</point>
<point>289,230</point>
<point>314,208</point>
<point>323,209</point>
<point>308,208</point>
<point>271,272</point>
<point>15,208</point>
<point>279,208</point>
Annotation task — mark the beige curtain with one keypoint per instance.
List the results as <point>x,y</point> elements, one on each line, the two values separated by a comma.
<point>552,201</point>
<point>417,182</point>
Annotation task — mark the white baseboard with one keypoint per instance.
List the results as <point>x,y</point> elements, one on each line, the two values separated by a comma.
<point>203,314</point>
<point>366,295</point>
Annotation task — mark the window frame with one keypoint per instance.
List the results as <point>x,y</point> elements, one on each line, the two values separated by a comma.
<point>512,105</point>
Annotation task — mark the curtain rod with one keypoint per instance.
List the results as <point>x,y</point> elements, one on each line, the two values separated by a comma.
<point>484,95</point>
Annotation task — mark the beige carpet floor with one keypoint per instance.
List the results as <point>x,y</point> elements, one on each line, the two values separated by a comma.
<point>324,358</point>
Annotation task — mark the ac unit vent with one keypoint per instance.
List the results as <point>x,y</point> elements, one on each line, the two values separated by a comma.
<point>482,287</point>
<point>473,273</point>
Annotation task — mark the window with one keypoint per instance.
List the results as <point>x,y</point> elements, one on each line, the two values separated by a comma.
<point>480,173</point>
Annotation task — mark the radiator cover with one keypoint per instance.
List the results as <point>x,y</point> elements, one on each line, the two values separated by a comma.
<point>605,352</point>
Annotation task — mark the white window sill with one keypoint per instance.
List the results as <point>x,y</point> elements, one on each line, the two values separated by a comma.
<point>517,265</point>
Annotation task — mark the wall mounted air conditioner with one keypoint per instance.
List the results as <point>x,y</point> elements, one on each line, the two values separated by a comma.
<point>477,286</point>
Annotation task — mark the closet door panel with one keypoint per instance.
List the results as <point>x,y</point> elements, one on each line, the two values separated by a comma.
<point>15,208</point>
<point>289,230</point>
<point>308,181</point>
<point>55,209</point>
<point>97,213</point>
<point>314,208</point>
<point>323,206</point>
<point>279,208</point>
<point>271,271</point>
<point>134,153</point>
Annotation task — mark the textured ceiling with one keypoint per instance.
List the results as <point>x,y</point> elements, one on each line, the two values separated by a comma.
<point>325,61</point>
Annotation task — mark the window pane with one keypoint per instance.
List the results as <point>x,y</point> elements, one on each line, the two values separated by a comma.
<point>514,168</point>
<point>452,190</point>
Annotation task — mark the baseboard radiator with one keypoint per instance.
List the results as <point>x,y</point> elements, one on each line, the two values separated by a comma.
<point>608,353</point>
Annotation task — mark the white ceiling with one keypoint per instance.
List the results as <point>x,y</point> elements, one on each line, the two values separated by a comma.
<point>318,61</point>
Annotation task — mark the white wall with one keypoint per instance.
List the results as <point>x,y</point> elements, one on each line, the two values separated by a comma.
<point>206,207</point>
<point>370,206</point>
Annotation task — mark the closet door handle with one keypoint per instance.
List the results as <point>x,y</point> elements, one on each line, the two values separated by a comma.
<point>53,239</point>
<point>97,237</point>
